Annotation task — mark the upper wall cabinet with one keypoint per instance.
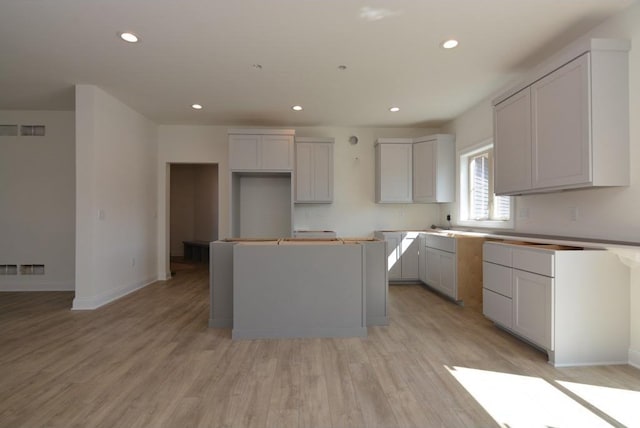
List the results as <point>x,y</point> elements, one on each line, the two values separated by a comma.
<point>314,170</point>
<point>567,125</point>
<point>434,169</point>
<point>394,163</point>
<point>261,149</point>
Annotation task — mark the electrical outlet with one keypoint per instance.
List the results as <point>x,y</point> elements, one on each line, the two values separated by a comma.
<point>573,213</point>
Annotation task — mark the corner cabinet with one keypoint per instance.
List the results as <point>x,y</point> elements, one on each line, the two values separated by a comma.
<point>314,170</point>
<point>434,169</point>
<point>571,302</point>
<point>403,258</point>
<point>394,163</point>
<point>567,126</point>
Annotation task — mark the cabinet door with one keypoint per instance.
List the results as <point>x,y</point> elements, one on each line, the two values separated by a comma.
<point>448,284</point>
<point>422,262</point>
<point>532,307</point>
<point>409,257</point>
<point>424,171</point>
<point>276,152</point>
<point>323,172</point>
<point>393,255</point>
<point>512,143</point>
<point>561,126</point>
<point>244,152</point>
<point>395,173</point>
<point>433,267</point>
<point>304,172</point>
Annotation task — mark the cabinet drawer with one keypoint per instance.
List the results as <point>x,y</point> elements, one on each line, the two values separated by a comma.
<point>497,253</point>
<point>444,243</point>
<point>534,260</point>
<point>497,278</point>
<point>497,308</point>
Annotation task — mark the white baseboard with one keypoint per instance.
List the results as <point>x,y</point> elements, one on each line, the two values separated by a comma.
<point>39,286</point>
<point>94,302</point>
<point>634,358</point>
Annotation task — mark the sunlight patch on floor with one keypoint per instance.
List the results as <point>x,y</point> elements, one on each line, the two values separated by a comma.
<point>621,404</point>
<point>524,401</point>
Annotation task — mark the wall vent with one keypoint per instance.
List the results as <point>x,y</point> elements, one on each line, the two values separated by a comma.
<point>32,130</point>
<point>8,269</point>
<point>31,269</point>
<point>8,130</point>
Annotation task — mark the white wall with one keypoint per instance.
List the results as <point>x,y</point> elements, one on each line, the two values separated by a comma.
<point>603,213</point>
<point>37,201</point>
<point>353,212</point>
<point>116,188</point>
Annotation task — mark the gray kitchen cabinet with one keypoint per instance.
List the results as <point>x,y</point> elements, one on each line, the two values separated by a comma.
<point>571,302</point>
<point>453,267</point>
<point>402,254</point>
<point>394,163</point>
<point>567,125</point>
<point>261,149</point>
<point>434,169</point>
<point>314,170</point>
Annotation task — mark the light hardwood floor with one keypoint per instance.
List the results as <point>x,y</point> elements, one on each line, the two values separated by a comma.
<point>149,360</point>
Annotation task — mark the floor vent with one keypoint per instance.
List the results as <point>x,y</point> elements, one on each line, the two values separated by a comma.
<point>32,130</point>
<point>31,269</point>
<point>8,130</point>
<point>8,269</point>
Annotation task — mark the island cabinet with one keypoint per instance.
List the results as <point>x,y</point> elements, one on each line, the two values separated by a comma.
<point>402,254</point>
<point>434,169</point>
<point>453,267</point>
<point>394,176</point>
<point>314,170</point>
<point>570,302</point>
<point>261,150</point>
<point>567,125</point>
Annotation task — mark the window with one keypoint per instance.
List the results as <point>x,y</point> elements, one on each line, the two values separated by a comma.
<point>478,204</point>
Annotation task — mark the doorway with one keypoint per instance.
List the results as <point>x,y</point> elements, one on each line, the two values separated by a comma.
<point>193,215</point>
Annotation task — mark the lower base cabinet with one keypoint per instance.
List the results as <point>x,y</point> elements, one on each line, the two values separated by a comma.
<point>402,254</point>
<point>453,267</point>
<point>570,302</point>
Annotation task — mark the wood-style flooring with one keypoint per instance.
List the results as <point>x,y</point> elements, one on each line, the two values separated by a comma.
<point>150,360</point>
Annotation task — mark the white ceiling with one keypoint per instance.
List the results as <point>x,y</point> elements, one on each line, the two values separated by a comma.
<point>202,51</point>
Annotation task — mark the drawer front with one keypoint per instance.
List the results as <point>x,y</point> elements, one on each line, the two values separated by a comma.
<point>535,261</point>
<point>497,278</point>
<point>496,253</point>
<point>444,243</point>
<point>497,308</point>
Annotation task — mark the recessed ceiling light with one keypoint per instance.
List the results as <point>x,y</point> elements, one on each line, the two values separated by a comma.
<point>296,108</point>
<point>196,106</point>
<point>129,37</point>
<point>450,44</point>
<point>394,109</point>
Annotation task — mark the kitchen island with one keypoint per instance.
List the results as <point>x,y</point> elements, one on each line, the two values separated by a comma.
<point>298,287</point>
